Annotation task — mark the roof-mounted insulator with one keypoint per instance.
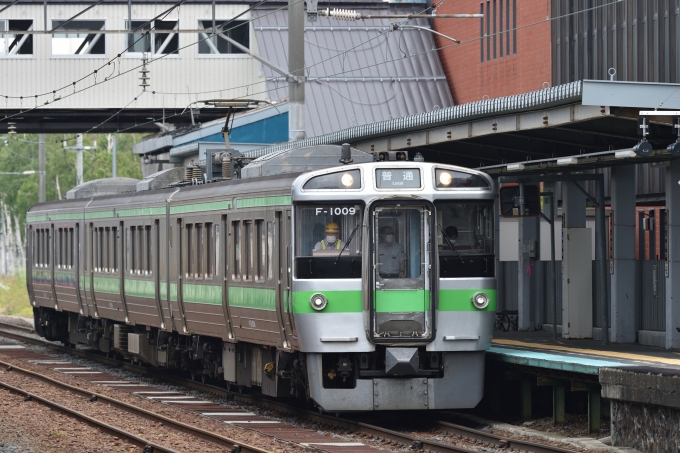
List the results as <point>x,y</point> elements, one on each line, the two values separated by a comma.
<point>342,14</point>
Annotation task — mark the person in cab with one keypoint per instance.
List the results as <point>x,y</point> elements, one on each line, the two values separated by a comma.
<point>332,239</point>
<point>391,255</point>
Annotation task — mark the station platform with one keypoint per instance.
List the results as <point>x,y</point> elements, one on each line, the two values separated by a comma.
<point>640,383</point>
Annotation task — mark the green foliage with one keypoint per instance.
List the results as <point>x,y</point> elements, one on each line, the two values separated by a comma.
<point>21,153</point>
<point>14,296</point>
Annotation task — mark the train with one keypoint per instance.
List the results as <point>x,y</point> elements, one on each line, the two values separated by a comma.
<point>364,283</point>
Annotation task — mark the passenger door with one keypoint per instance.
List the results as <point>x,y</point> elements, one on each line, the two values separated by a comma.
<point>402,305</point>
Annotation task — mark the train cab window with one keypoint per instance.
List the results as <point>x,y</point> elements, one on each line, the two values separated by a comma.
<point>236,241</point>
<point>465,238</point>
<point>324,232</point>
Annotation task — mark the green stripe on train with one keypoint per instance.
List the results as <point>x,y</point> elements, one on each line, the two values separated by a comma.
<point>140,288</point>
<point>199,207</point>
<point>36,217</point>
<point>72,216</point>
<point>202,294</point>
<point>338,302</point>
<point>263,201</point>
<point>99,215</point>
<point>402,301</point>
<point>461,299</point>
<point>136,212</point>
<point>257,298</point>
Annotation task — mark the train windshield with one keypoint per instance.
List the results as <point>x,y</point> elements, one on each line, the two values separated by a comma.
<point>324,233</point>
<point>465,238</point>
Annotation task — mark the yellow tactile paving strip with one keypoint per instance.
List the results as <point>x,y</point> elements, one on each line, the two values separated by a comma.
<point>618,355</point>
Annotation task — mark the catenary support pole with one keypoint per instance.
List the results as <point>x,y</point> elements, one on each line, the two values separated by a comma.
<point>296,64</point>
<point>601,258</point>
<point>114,169</point>
<point>41,167</point>
<point>79,159</point>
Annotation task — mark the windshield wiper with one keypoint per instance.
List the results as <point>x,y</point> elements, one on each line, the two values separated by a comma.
<point>351,236</point>
<point>446,238</point>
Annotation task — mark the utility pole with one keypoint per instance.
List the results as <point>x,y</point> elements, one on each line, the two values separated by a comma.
<point>114,169</point>
<point>41,167</point>
<point>79,156</point>
<point>296,65</point>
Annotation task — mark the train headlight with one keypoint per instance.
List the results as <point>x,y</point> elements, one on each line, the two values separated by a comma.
<point>445,178</point>
<point>318,302</point>
<point>347,180</point>
<point>480,300</point>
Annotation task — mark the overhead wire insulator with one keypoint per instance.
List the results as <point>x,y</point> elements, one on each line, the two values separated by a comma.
<point>144,77</point>
<point>342,14</point>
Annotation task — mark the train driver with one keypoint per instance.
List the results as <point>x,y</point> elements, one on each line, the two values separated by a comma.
<point>331,241</point>
<point>391,255</point>
<point>451,233</point>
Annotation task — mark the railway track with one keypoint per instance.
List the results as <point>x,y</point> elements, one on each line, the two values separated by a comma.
<point>365,430</point>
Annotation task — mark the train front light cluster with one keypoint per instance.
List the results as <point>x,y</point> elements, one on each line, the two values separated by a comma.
<point>347,180</point>
<point>480,301</point>
<point>318,302</point>
<point>445,178</point>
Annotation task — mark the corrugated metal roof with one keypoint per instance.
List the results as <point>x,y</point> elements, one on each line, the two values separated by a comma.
<point>357,87</point>
<point>548,97</point>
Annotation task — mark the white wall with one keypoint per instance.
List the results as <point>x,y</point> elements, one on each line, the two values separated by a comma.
<point>509,238</point>
<point>40,73</point>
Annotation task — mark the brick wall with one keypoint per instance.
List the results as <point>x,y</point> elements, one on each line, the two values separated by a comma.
<point>469,78</point>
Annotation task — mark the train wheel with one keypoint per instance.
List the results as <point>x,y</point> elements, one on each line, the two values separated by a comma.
<point>203,378</point>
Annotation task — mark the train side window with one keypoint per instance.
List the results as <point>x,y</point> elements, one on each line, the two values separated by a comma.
<point>248,242</point>
<point>209,251</point>
<point>236,228</point>
<point>141,249</point>
<point>149,251</point>
<point>102,250</point>
<point>190,249</point>
<point>271,234</point>
<point>132,251</point>
<point>200,255</point>
<point>69,248</point>
<point>57,261</point>
<point>95,249</point>
<point>114,248</point>
<point>260,250</point>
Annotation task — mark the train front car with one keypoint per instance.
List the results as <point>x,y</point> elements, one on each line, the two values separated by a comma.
<point>394,288</point>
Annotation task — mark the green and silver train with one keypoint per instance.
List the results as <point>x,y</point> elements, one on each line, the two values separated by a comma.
<point>232,281</point>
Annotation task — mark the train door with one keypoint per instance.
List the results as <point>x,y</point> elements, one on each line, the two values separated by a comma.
<point>30,261</point>
<point>91,268</point>
<point>223,262</point>
<point>181,255</point>
<point>120,262</point>
<point>156,269</point>
<point>279,268</point>
<point>76,267</point>
<point>402,307</point>
<point>51,264</point>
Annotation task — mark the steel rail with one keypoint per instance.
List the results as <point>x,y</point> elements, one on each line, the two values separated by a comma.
<point>14,326</point>
<point>353,426</point>
<point>505,442</point>
<point>111,430</point>
<point>177,426</point>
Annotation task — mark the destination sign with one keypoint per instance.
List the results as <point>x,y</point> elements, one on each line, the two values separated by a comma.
<point>398,178</point>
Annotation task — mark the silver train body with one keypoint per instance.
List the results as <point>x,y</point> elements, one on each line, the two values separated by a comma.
<point>228,281</point>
